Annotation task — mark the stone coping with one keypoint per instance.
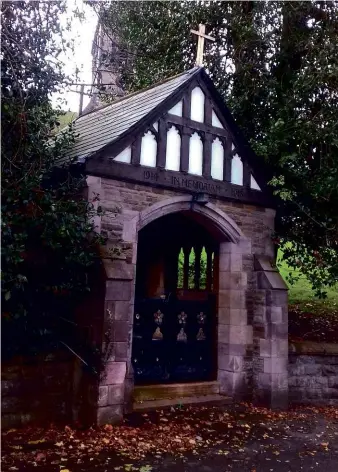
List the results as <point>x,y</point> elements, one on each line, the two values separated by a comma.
<point>313,348</point>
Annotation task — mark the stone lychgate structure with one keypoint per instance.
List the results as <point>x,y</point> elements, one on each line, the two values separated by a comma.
<point>190,290</point>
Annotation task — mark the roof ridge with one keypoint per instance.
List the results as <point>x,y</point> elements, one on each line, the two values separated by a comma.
<point>157,84</point>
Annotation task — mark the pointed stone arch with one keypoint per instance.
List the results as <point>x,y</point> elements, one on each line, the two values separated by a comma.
<point>234,333</point>
<point>225,227</point>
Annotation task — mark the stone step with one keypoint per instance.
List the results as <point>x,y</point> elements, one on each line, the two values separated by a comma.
<point>174,391</point>
<point>211,400</point>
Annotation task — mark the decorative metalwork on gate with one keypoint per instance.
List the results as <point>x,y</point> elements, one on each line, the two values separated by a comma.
<point>174,331</point>
<point>172,340</point>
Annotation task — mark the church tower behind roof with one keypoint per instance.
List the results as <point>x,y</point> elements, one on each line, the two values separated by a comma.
<point>106,64</point>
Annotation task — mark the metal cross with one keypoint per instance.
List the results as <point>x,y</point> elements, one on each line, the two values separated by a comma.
<point>200,45</point>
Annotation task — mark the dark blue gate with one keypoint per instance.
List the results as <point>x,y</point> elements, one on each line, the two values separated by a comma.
<point>173,340</point>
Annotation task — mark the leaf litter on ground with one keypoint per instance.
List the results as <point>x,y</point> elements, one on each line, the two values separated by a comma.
<point>142,438</point>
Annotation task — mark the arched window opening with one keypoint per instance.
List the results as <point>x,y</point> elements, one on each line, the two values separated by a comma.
<point>217,159</point>
<point>148,150</point>
<point>173,155</point>
<point>197,105</point>
<point>203,269</point>
<point>191,277</point>
<point>195,268</point>
<point>236,170</point>
<point>195,155</point>
<point>180,269</point>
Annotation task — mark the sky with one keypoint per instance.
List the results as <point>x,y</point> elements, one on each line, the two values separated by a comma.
<point>82,32</point>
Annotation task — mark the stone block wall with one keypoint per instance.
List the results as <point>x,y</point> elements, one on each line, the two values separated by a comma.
<point>37,390</point>
<point>313,373</point>
<point>121,201</point>
<point>252,303</point>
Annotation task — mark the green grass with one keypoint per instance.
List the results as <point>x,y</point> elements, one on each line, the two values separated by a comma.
<point>66,119</point>
<point>301,292</point>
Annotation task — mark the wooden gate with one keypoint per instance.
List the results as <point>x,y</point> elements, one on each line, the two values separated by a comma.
<point>174,314</point>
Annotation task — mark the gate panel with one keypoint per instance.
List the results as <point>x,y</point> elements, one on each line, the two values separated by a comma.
<point>172,340</point>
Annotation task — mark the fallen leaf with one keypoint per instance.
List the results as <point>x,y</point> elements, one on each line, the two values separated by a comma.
<point>40,456</point>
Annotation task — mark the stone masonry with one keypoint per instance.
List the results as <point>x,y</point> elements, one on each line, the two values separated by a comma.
<point>252,299</point>
<point>313,373</point>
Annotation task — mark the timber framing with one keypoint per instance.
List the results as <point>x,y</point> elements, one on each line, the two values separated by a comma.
<point>101,163</point>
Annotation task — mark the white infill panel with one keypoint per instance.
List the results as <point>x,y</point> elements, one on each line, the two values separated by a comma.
<point>197,105</point>
<point>236,170</point>
<point>148,150</point>
<point>215,121</point>
<point>124,156</point>
<point>217,160</point>
<point>253,184</point>
<point>195,155</point>
<point>173,154</point>
<point>177,109</point>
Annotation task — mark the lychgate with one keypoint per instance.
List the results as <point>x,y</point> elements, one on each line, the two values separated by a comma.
<point>191,294</point>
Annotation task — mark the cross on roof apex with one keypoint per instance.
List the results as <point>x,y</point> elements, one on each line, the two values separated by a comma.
<point>200,45</point>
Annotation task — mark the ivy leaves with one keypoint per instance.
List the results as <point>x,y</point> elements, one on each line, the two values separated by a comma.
<point>48,241</point>
<point>275,64</point>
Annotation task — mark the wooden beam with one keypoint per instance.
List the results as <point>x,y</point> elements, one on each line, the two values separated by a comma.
<point>180,181</point>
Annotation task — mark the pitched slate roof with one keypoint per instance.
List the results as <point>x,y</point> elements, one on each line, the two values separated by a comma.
<point>105,125</point>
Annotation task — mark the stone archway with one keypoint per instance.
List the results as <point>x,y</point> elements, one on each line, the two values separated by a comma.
<point>233,332</point>
<point>251,311</point>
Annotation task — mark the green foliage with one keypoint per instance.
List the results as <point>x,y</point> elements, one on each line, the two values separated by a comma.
<point>191,269</point>
<point>300,289</point>
<point>48,243</point>
<point>276,64</point>
<point>65,118</point>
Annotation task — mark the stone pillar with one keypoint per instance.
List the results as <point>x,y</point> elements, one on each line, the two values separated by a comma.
<point>234,334</point>
<point>270,320</point>
<point>114,385</point>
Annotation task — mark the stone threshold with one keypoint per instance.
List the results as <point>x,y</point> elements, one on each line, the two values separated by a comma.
<point>174,391</point>
<point>210,400</point>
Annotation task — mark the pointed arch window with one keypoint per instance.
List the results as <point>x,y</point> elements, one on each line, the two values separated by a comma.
<point>148,150</point>
<point>195,155</point>
<point>217,159</point>
<point>192,259</point>
<point>236,170</point>
<point>197,105</point>
<point>173,154</point>
<point>180,268</point>
<point>203,269</point>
